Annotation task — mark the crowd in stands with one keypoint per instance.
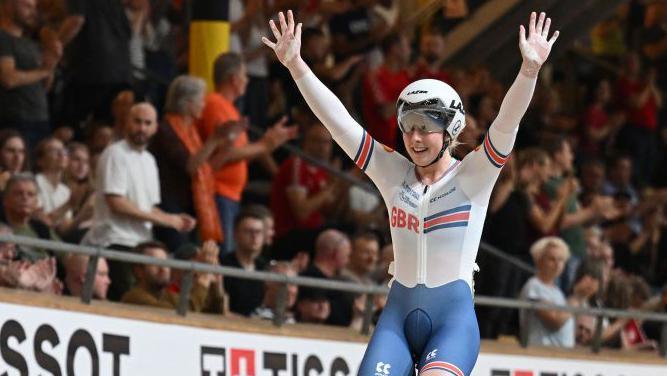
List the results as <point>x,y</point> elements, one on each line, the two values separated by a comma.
<point>95,151</point>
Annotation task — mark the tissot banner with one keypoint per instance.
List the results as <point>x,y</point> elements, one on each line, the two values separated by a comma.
<point>37,341</point>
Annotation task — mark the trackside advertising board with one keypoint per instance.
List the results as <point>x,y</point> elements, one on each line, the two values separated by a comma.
<point>38,341</point>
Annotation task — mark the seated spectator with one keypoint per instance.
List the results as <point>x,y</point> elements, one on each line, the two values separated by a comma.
<point>75,276</point>
<point>267,310</point>
<point>207,293</point>
<point>12,155</point>
<point>186,164</point>
<point>588,284</point>
<point>152,280</point>
<point>364,257</point>
<point>24,274</point>
<point>313,306</point>
<point>51,161</point>
<point>332,255</point>
<point>127,191</point>
<point>245,295</point>
<point>269,228</point>
<point>300,193</point>
<point>20,205</point>
<point>26,71</point>
<point>544,326</point>
<point>385,267</point>
<point>78,179</point>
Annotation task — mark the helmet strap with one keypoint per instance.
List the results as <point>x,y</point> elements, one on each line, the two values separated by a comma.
<point>445,145</point>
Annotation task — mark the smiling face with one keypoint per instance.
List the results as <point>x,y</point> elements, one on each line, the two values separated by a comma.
<point>423,147</point>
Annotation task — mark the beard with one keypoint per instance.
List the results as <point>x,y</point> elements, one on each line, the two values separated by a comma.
<point>139,139</point>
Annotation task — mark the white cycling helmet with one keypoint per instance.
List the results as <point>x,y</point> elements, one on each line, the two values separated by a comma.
<point>431,106</point>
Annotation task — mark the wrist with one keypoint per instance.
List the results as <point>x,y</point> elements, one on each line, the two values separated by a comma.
<point>530,69</point>
<point>297,67</point>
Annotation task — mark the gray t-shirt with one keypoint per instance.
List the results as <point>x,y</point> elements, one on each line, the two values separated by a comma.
<point>538,333</point>
<point>27,102</point>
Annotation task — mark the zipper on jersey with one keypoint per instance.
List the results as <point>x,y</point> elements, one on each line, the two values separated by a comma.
<point>421,258</point>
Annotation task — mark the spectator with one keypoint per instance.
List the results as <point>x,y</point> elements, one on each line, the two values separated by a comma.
<point>385,267</point>
<point>354,30</point>
<point>75,276</point>
<point>51,159</point>
<point>207,293</point>
<point>269,228</point>
<point>574,218</point>
<point>127,192</point>
<point>364,257</point>
<point>313,306</point>
<point>600,125</point>
<point>545,326</point>
<point>619,178</point>
<point>78,179</point>
<point>26,71</point>
<point>230,79</point>
<point>332,255</point>
<point>186,164</point>
<point>637,92</point>
<point>267,310</point>
<point>246,295</point>
<point>12,155</point>
<point>592,180</point>
<point>366,209</point>
<point>587,285</point>
<point>20,206</point>
<point>152,280</point>
<point>431,57</point>
<point>120,111</point>
<point>382,86</point>
<point>300,193</point>
<point>98,59</point>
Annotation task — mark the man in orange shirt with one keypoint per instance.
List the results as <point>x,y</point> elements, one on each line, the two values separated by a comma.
<point>230,79</point>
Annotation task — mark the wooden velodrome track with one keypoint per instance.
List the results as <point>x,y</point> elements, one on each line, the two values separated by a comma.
<point>163,316</point>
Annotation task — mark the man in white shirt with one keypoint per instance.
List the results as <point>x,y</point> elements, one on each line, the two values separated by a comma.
<point>127,194</point>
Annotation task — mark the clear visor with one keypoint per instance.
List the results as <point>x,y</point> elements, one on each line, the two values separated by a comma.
<point>428,116</point>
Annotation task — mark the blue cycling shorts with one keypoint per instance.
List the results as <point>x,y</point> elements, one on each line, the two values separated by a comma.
<point>427,328</point>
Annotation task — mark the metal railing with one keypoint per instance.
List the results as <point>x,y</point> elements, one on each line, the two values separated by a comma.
<point>191,267</point>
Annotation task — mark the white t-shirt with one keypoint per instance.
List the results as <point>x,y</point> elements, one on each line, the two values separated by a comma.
<point>51,197</point>
<point>538,333</point>
<point>133,174</point>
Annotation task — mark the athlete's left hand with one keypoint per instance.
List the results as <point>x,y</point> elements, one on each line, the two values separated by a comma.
<point>536,48</point>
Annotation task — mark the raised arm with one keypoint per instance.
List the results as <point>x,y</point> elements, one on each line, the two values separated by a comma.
<point>482,166</point>
<point>354,140</point>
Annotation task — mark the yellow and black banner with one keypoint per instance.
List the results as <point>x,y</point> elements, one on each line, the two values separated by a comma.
<point>209,36</point>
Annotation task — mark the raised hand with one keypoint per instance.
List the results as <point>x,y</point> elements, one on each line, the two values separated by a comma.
<point>536,48</point>
<point>288,40</point>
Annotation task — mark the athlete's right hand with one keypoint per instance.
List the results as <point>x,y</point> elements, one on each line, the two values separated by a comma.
<point>288,40</point>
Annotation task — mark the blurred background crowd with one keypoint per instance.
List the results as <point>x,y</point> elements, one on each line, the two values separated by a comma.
<point>106,141</point>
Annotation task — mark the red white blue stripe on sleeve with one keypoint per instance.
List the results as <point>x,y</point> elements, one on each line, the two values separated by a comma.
<point>365,151</point>
<point>456,217</point>
<point>495,157</point>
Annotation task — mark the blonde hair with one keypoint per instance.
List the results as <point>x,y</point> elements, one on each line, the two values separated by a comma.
<point>538,248</point>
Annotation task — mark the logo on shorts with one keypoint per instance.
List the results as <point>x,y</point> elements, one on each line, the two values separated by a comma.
<point>431,355</point>
<point>382,369</point>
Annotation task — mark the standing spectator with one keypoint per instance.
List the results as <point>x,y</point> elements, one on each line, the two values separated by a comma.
<point>20,206</point>
<point>75,276</point>
<point>26,71</point>
<point>120,111</point>
<point>431,56</point>
<point>52,160</point>
<point>599,124</point>
<point>382,86</point>
<point>98,59</point>
<point>186,163</point>
<point>637,92</point>
<point>127,192</point>
<point>12,155</point>
<point>355,30</point>
<point>152,280</point>
<point>230,79</point>
<point>332,255</point>
<point>245,295</point>
<point>544,326</point>
<point>267,310</point>
<point>619,178</point>
<point>299,194</point>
